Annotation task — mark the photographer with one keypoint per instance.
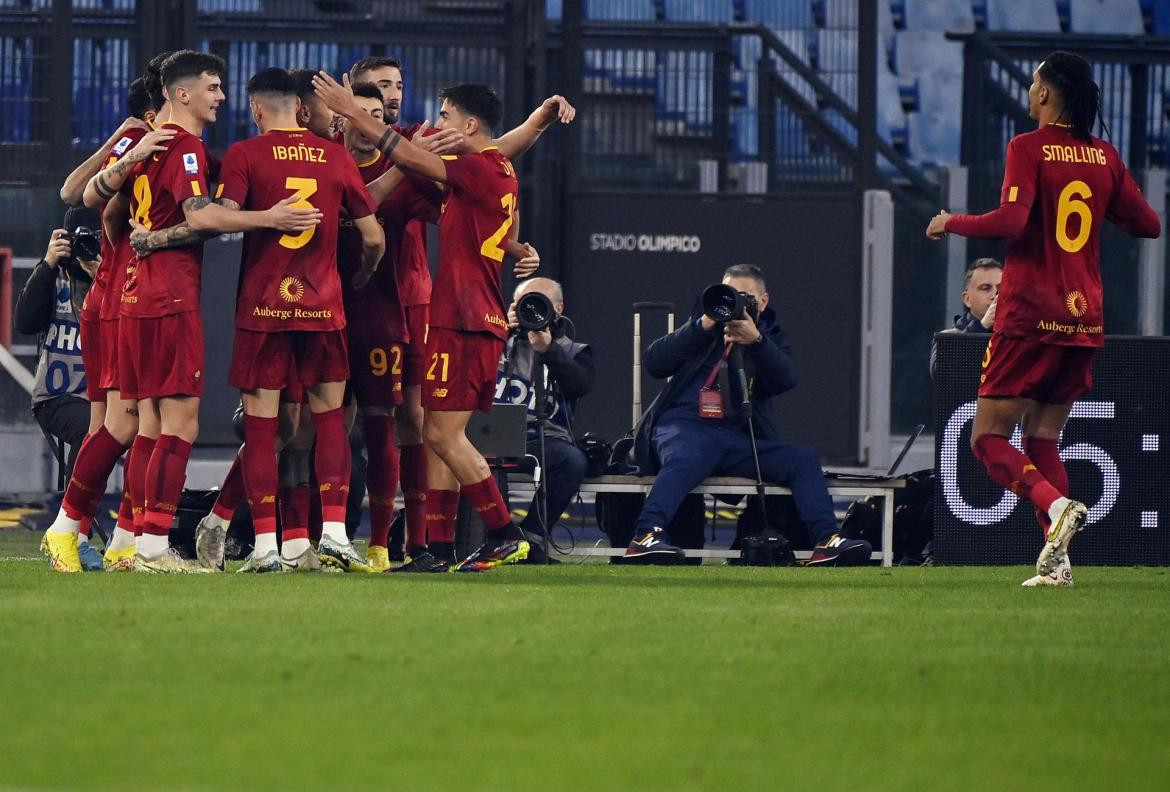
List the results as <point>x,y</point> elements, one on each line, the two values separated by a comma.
<point>537,335</point>
<point>49,305</point>
<point>698,427</point>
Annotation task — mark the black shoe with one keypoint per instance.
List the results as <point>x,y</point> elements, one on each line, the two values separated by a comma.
<point>839,550</point>
<point>536,553</point>
<point>421,561</point>
<point>651,547</point>
<point>494,553</point>
<point>398,537</point>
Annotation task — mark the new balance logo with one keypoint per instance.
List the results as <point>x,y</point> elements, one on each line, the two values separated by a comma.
<point>648,540</point>
<point>836,541</point>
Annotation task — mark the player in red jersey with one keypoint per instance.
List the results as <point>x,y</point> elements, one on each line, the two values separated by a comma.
<point>467,324</point>
<point>290,317</point>
<point>161,352</point>
<point>1060,183</point>
<point>414,278</point>
<point>377,329</point>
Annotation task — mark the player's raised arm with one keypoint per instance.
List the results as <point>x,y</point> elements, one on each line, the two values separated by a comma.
<point>517,141</point>
<point>73,190</point>
<point>105,184</point>
<point>339,98</point>
<point>1018,192</point>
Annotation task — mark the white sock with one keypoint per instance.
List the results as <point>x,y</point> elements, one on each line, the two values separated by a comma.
<point>1057,509</point>
<point>82,539</point>
<point>151,546</point>
<point>122,538</point>
<point>63,524</point>
<point>335,532</point>
<point>265,544</point>
<point>291,548</point>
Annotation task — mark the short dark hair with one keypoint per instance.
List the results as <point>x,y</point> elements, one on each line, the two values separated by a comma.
<point>185,64</point>
<point>153,78</point>
<point>273,80</point>
<point>978,264</point>
<point>304,81</point>
<point>367,90</point>
<point>476,100</point>
<point>746,271</point>
<point>371,63</point>
<point>138,99</point>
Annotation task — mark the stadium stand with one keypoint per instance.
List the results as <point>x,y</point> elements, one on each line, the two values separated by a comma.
<point>1012,15</point>
<point>1105,16</point>
<point>714,11</point>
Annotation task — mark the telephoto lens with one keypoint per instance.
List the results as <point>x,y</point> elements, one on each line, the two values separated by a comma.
<point>535,312</point>
<point>722,303</point>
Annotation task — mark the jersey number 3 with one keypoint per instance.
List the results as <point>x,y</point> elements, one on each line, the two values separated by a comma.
<point>302,189</point>
<point>1068,205</point>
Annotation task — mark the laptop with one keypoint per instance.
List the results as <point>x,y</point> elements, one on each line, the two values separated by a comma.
<point>502,433</point>
<point>890,472</point>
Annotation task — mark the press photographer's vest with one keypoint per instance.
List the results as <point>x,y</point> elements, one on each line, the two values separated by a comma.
<point>59,369</point>
<point>514,385</point>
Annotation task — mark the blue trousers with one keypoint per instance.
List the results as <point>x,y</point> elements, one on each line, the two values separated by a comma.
<point>691,449</point>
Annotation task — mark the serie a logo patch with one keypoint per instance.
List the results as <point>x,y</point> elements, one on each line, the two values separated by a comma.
<point>122,145</point>
<point>190,163</point>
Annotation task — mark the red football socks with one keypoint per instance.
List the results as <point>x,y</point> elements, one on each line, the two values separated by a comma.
<point>489,504</point>
<point>136,464</point>
<point>164,484</point>
<point>1045,454</point>
<point>294,512</point>
<point>442,507</point>
<point>332,462</point>
<point>258,463</point>
<point>95,460</point>
<point>126,508</point>
<point>381,475</point>
<point>414,488</point>
<point>232,492</point>
<point>1013,470</point>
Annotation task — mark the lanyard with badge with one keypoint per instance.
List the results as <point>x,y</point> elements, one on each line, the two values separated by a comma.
<point>710,397</point>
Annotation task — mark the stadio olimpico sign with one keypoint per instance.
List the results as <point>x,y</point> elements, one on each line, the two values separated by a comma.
<point>645,243</point>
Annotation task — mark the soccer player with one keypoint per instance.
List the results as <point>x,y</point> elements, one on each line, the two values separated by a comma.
<point>290,318</point>
<point>1060,183</point>
<point>312,113</point>
<point>467,325</point>
<point>414,279</point>
<point>160,358</point>
<point>376,323</point>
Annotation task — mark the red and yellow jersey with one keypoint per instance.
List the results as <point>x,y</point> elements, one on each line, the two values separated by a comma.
<point>290,281</point>
<point>477,216</point>
<point>105,280</point>
<point>1065,188</point>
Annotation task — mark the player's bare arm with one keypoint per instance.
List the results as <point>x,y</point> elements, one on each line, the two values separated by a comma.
<point>373,247</point>
<point>527,258</point>
<point>381,187</point>
<point>225,217</point>
<point>338,97</point>
<point>517,141</point>
<point>73,190</point>
<point>115,217</point>
<point>105,184</point>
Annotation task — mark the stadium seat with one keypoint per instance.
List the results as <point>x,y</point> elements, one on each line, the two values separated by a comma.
<point>891,119</point>
<point>834,51</point>
<point>1106,16</point>
<point>787,15</point>
<point>938,15</point>
<point>1036,16</point>
<point>620,10</point>
<point>918,53</point>
<point>1158,13</point>
<point>699,10</point>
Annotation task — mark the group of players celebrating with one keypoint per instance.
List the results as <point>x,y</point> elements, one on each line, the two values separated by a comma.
<point>334,289</point>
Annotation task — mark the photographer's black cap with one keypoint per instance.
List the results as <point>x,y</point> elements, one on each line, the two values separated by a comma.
<point>77,216</point>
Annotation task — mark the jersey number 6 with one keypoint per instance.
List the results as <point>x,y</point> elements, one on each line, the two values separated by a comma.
<point>1069,205</point>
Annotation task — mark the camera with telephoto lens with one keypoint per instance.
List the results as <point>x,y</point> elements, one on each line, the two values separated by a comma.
<point>85,244</point>
<point>724,304</point>
<point>535,312</point>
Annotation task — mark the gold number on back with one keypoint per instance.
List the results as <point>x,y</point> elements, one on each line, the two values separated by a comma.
<point>1067,205</point>
<point>491,246</point>
<point>144,199</point>
<point>302,189</point>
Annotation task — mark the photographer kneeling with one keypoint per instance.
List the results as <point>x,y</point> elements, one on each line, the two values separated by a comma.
<point>698,426</point>
<point>538,336</point>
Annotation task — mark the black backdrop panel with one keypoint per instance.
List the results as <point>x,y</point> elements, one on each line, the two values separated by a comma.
<point>1116,448</point>
<point>633,248</point>
<point>221,267</point>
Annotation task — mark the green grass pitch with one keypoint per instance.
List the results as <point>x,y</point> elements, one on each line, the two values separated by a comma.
<point>586,677</point>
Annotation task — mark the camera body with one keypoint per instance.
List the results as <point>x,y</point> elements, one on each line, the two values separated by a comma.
<point>724,304</point>
<point>85,244</point>
<point>535,312</point>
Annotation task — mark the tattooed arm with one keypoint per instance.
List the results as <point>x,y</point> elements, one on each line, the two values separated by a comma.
<point>226,217</point>
<point>105,184</point>
<point>74,187</point>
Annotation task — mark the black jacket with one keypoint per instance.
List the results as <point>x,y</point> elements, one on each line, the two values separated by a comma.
<point>682,353</point>
<point>38,300</point>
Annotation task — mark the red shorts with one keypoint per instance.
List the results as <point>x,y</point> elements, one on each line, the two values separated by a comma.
<point>91,358</point>
<point>161,356</point>
<point>375,371</point>
<point>461,370</point>
<point>1046,373</point>
<point>285,360</point>
<point>417,317</point>
<point>109,347</point>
